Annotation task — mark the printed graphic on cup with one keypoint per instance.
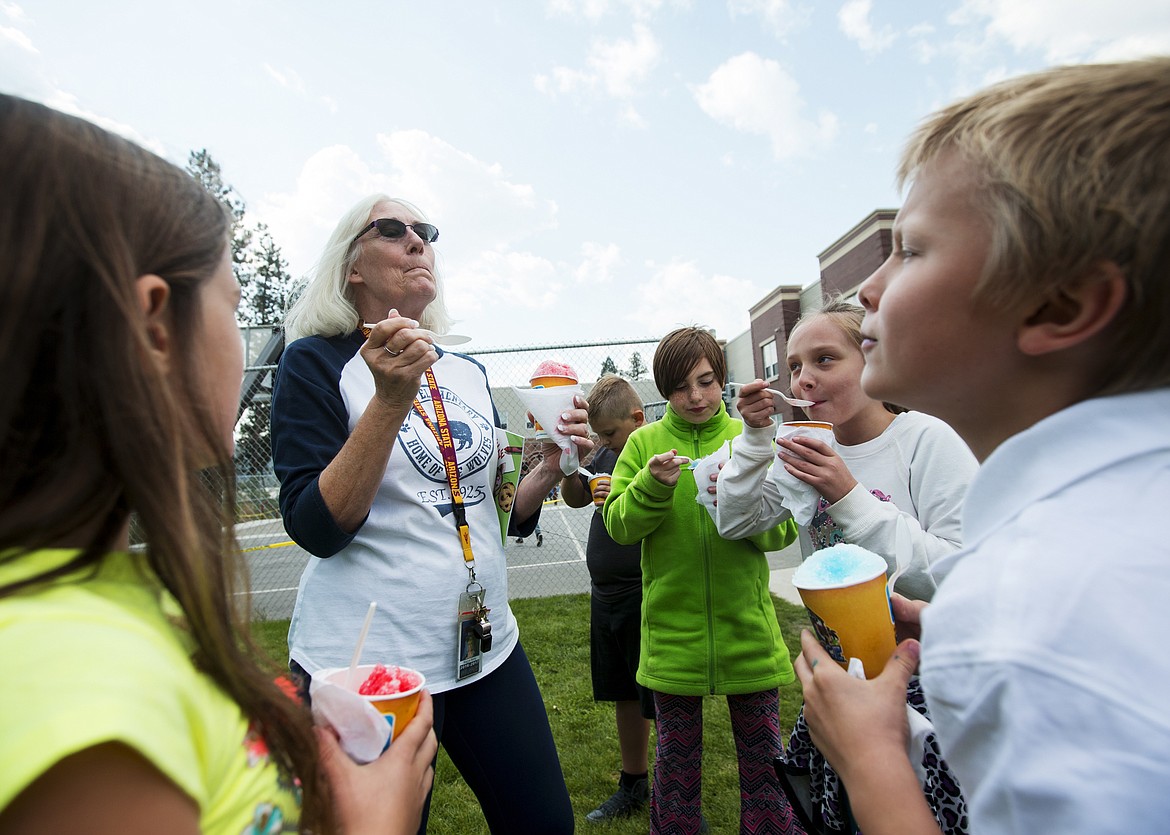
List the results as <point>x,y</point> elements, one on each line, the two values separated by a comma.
<point>594,483</point>
<point>844,590</point>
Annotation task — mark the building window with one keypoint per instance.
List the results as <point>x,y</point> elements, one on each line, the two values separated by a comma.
<point>771,364</point>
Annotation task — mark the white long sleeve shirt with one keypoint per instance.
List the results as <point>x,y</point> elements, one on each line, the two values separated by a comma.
<point>917,469</point>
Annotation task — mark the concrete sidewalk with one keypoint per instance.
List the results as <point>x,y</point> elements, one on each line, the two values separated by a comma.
<point>783,564</point>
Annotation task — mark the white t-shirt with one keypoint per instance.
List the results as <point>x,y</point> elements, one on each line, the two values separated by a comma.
<point>1045,658</point>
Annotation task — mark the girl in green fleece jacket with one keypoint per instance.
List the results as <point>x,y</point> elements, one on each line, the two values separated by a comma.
<point>708,624</point>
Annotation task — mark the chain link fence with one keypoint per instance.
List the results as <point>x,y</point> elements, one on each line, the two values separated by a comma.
<point>548,564</point>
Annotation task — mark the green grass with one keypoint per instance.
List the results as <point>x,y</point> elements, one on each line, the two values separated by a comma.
<point>555,631</point>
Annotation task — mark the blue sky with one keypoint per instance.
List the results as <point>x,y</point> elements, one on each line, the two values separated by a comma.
<point>599,169</point>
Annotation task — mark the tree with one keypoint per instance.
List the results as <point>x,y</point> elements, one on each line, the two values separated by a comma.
<point>637,367</point>
<point>206,170</point>
<point>266,293</point>
<point>608,367</point>
<point>262,272</point>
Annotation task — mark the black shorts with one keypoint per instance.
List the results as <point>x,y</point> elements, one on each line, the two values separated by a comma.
<point>615,639</point>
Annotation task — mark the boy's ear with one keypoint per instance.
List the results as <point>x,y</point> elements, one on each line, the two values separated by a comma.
<point>1077,313</point>
<point>153,296</point>
<point>639,417</point>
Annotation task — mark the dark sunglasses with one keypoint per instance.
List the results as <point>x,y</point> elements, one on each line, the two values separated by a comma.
<point>388,227</point>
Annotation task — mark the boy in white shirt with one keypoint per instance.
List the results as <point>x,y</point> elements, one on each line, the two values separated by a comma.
<point>1026,303</point>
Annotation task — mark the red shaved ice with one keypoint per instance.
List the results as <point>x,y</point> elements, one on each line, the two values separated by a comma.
<point>389,681</point>
<point>552,368</point>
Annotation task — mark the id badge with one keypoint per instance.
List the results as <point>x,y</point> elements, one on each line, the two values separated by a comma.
<point>470,651</point>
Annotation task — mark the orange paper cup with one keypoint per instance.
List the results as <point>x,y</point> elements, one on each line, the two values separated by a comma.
<point>548,382</point>
<point>604,478</point>
<point>851,617</point>
<point>811,424</point>
<point>397,708</point>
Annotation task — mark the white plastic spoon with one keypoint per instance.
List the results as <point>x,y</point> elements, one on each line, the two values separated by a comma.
<point>357,650</point>
<point>441,338</point>
<point>791,401</point>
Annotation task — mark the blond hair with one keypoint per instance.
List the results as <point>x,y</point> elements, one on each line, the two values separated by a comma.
<point>1073,166</point>
<point>324,304</point>
<point>613,398</point>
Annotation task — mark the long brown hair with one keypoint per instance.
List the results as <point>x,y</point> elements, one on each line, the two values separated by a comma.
<point>91,431</point>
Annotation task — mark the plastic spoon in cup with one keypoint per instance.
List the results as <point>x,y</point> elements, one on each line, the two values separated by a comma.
<point>441,338</point>
<point>357,650</point>
<point>585,472</point>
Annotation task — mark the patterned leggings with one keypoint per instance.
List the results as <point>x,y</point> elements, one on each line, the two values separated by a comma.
<point>676,802</point>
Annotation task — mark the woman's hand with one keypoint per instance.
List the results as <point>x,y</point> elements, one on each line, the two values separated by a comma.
<point>755,404</point>
<point>575,424</point>
<point>666,467</point>
<point>815,463</point>
<point>386,795</point>
<point>398,354</point>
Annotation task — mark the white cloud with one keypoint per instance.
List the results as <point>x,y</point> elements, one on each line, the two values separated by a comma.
<point>756,95</point>
<point>481,213</point>
<point>679,293</point>
<point>597,263</point>
<point>522,284</point>
<point>853,18</point>
<point>623,64</point>
<point>67,103</point>
<point>564,80</point>
<point>17,38</point>
<point>594,10</point>
<point>1076,30</point>
<point>291,80</point>
<point>617,66</point>
<point>779,15</point>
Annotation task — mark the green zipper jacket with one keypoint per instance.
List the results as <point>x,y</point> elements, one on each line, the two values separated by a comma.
<point>708,623</point>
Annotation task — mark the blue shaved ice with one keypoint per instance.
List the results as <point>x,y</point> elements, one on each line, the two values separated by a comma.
<point>839,565</point>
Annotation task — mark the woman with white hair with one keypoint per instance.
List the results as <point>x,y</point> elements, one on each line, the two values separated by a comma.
<point>386,450</point>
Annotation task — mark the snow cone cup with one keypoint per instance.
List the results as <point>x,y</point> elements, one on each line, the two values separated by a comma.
<point>808,424</point>
<point>551,374</point>
<point>550,381</point>
<point>596,481</point>
<point>844,590</point>
<point>396,708</point>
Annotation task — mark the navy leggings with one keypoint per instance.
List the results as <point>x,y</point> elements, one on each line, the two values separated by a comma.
<point>495,730</point>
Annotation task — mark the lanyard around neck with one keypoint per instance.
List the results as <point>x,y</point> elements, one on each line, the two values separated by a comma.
<point>441,429</point>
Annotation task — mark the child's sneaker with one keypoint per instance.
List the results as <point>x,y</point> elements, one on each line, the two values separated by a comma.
<point>623,803</point>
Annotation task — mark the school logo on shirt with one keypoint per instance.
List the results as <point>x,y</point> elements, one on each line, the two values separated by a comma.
<point>475,444</point>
